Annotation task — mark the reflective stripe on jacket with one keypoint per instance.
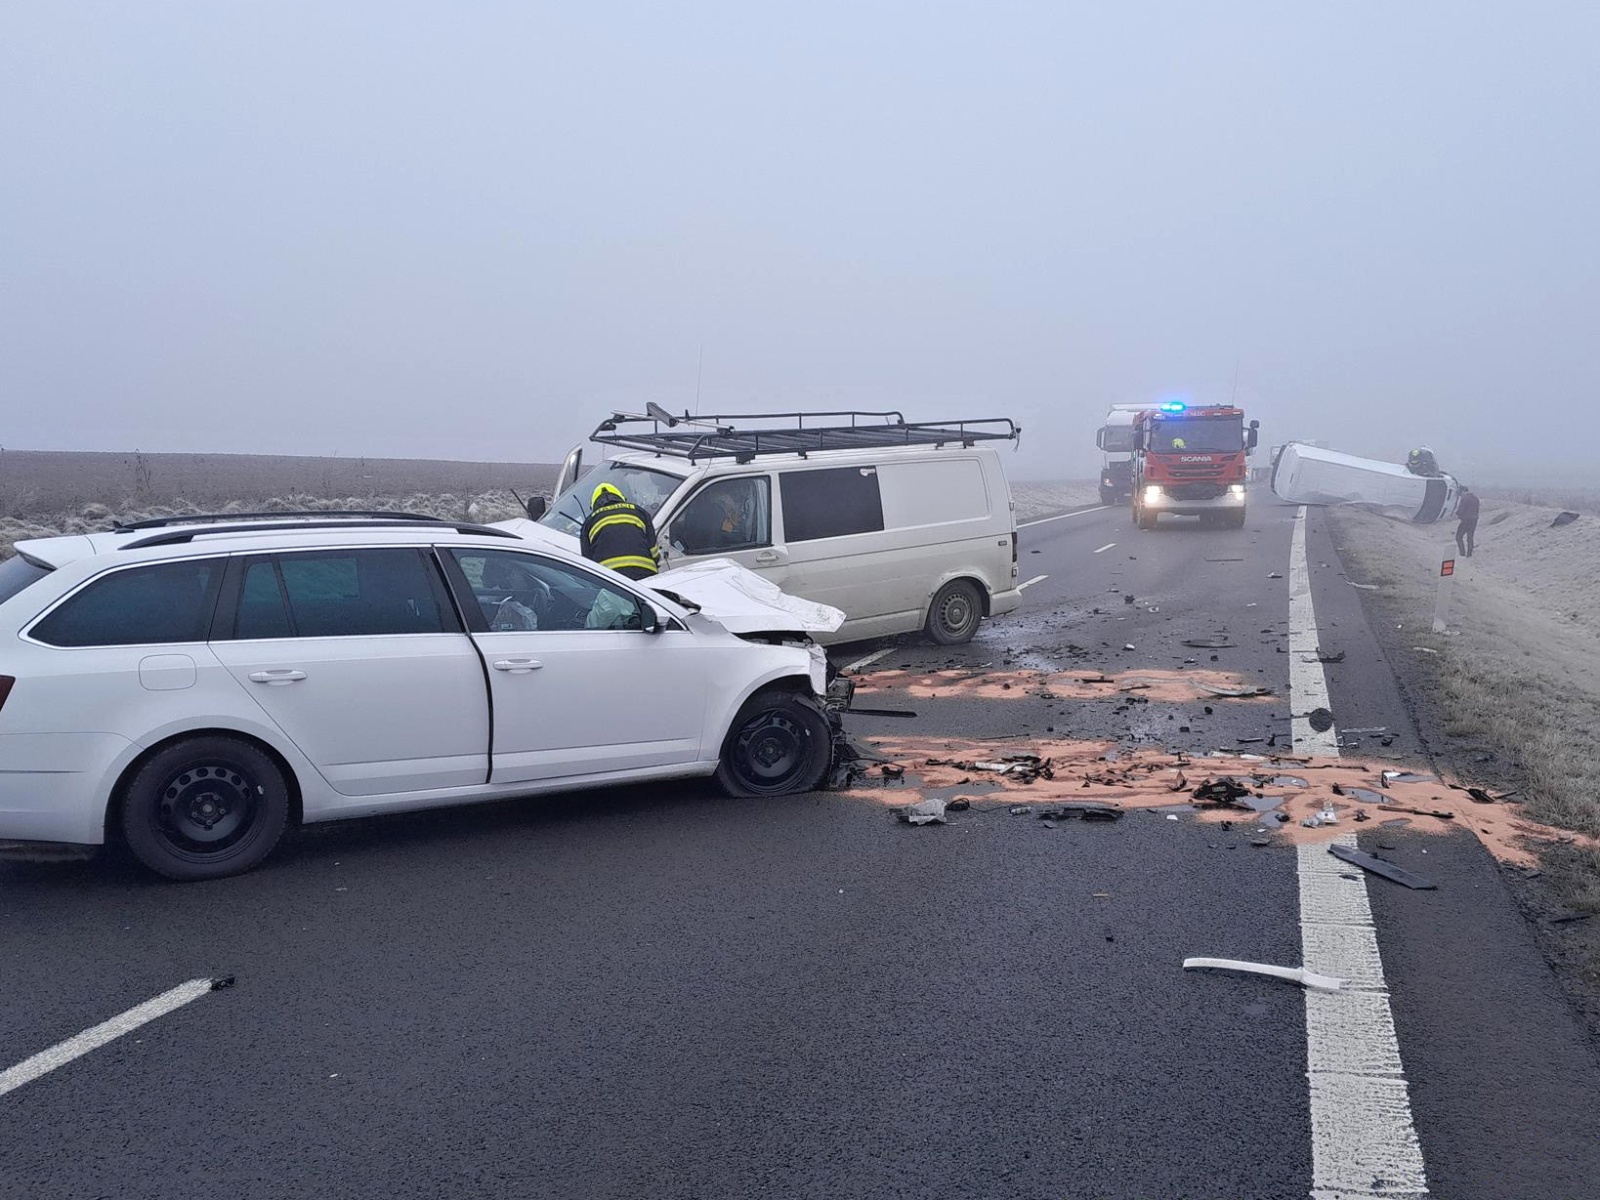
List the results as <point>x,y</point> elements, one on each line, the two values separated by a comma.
<point>620,536</point>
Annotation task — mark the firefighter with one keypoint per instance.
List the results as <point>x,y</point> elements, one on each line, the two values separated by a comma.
<point>1421,462</point>
<point>619,534</point>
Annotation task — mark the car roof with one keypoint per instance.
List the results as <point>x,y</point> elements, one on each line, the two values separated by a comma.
<point>184,540</point>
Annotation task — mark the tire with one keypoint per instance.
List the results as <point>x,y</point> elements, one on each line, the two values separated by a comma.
<point>955,612</point>
<point>1145,519</point>
<point>1107,496</point>
<point>779,743</point>
<point>1233,520</point>
<point>205,807</point>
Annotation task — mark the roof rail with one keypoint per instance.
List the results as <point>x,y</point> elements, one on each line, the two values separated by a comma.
<point>172,537</point>
<point>222,518</point>
<point>716,435</point>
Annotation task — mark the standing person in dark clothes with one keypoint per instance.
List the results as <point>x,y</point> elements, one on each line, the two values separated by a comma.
<point>1467,514</point>
<point>619,534</point>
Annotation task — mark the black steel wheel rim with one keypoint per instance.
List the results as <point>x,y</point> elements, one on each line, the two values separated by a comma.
<point>770,751</point>
<point>956,612</point>
<point>206,809</point>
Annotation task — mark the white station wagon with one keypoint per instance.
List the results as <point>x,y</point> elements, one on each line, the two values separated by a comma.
<point>194,685</point>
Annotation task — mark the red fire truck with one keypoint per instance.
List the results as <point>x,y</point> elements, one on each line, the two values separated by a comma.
<point>1190,461</point>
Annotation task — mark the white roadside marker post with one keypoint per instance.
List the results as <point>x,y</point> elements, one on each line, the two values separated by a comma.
<point>1441,605</point>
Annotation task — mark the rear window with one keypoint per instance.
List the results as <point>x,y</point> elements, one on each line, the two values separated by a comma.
<point>830,503</point>
<point>161,603</point>
<point>17,573</point>
<point>339,593</point>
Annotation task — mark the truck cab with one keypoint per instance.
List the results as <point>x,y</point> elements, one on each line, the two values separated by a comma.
<point>1191,461</point>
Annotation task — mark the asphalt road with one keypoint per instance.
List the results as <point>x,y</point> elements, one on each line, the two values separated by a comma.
<point>663,992</point>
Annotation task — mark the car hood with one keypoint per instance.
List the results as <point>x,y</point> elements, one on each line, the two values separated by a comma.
<point>532,531</point>
<point>743,602</point>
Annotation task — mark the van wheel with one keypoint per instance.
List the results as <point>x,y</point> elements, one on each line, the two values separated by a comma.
<point>204,808</point>
<point>779,743</point>
<point>955,612</point>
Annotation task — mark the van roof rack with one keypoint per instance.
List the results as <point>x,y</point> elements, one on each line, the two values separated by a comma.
<point>717,435</point>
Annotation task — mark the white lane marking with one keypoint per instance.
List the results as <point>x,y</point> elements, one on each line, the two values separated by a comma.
<point>80,1044</point>
<point>1063,516</point>
<point>1031,582</point>
<point>1363,1142</point>
<point>1308,683</point>
<point>868,660</point>
<point>1104,548</point>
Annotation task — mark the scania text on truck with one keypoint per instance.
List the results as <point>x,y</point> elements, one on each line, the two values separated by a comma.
<point>1190,461</point>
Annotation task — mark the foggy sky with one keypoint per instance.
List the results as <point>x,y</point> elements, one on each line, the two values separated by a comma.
<point>470,230</point>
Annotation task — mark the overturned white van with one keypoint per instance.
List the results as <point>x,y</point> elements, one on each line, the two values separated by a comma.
<point>904,526</point>
<point>1307,474</point>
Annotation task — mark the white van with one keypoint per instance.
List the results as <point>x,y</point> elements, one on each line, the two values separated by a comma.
<point>903,526</point>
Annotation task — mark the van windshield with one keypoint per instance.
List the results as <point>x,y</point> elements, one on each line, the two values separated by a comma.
<point>647,488</point>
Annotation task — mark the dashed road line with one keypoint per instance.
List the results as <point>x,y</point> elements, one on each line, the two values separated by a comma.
<point>1036,579</point>
<point>93,1038</point>
<point>1363,1143</point>
<point>1104,548</point>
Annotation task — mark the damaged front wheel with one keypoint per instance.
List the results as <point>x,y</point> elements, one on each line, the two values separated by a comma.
<point>780,742</point>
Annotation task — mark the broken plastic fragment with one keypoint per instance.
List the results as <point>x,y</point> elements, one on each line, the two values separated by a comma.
<point>1301,975</point>
<point>924,812</point>
<point>1381,866</point>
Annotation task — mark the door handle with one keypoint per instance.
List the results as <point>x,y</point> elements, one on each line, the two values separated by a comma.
<point>517,666</point>
<point>767,556</point>
<point>277,676</point>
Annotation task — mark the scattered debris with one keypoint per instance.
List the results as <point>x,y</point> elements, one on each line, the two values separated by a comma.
<point>1086,812</point>
<point>1025,768</point>
<point>1419,812</point>
<point>1321,719</point>
<point>1128,646</point>
<point>1301,975</point>
<point>1210,643</point>
<point>1380,866</point>
<point>959,804</point>
<point>1274,575</point>
<point>221,982</point>
<point>1327,816</point>
<point>1563,518</point>
<point>1564,918</point>
<point>1424,650</point>
<point>893,771</point>
<point>1223,792</point>
<point>1018,810</point>
<point>1178,784</point>
<point>1324,657</point>
<point>923,812</point>
<point>1407,777</point>
<point>1371,729</point>
<point>1365,587</point>
<point>1238,693</point>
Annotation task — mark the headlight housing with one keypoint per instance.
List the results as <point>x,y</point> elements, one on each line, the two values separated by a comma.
<point>1152,492</point>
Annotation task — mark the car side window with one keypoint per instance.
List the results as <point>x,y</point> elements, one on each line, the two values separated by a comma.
<point>151,605</point>
<point>520,592</point>
<point>729,514</point>
<point>339,593</point>
<point>831,502</point>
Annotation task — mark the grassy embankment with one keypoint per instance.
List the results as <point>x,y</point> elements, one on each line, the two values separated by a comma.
<point>1511,695</point>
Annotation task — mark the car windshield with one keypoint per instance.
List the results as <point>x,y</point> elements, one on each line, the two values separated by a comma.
<point>647,488</point>
<point>1211,435</point>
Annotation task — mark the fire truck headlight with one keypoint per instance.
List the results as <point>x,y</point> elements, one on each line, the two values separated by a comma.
<point>1236,489</point>
<point>1152,492</point>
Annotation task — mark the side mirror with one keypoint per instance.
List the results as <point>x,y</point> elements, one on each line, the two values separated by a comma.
<point>536,507</point>
<point>1253,435</point>
<point>1138,439</point>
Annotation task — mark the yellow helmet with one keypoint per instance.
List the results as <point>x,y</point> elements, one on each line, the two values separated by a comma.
<point>1179,444</point>
<point>595,501</point>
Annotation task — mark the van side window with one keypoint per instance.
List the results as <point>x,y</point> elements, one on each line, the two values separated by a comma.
<point>830,503</point>
<point>730,514</point>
